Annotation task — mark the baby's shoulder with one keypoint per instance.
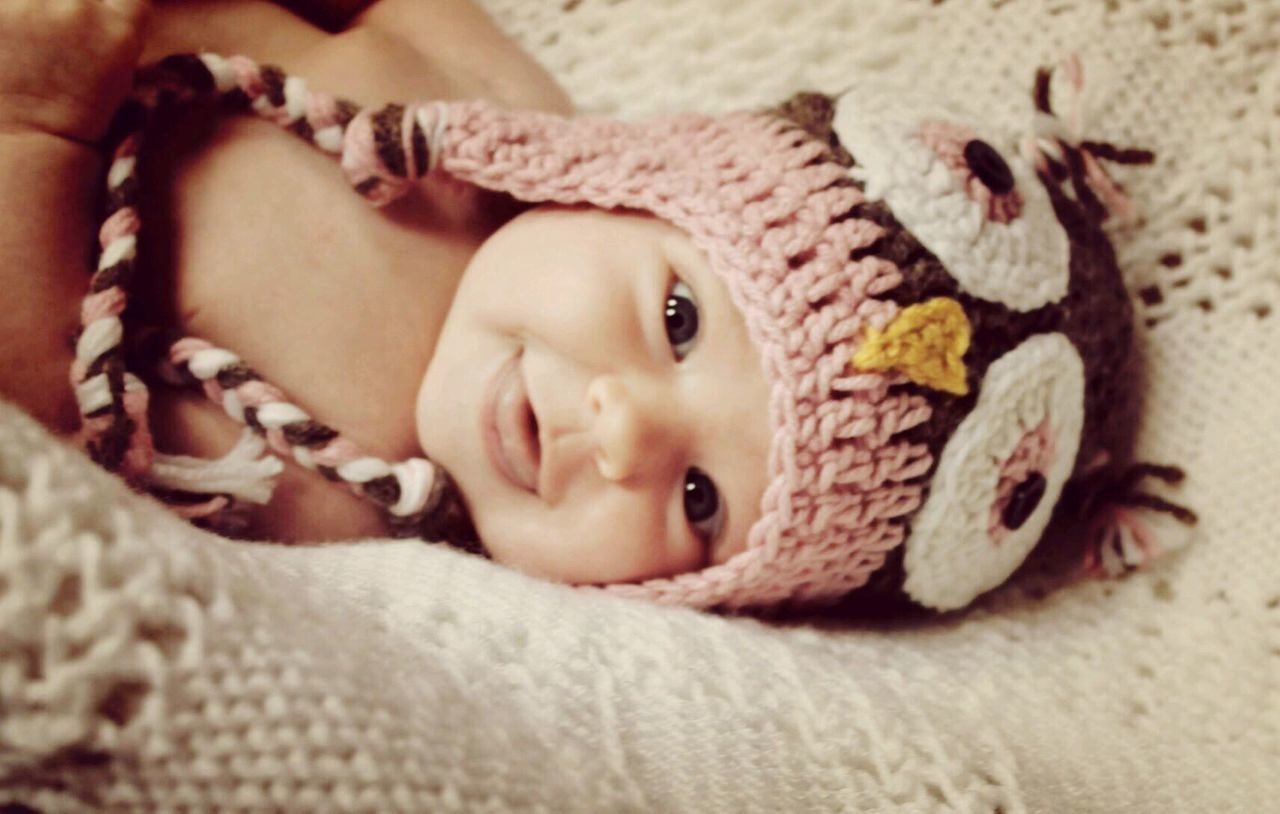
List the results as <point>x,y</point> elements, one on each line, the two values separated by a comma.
<point>393,52</point>
<point>256,28</point>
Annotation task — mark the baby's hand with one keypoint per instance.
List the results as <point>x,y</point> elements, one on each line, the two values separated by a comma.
<point>65,65</point>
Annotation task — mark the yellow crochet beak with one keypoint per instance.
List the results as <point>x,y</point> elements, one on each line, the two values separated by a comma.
<point>925,342</point>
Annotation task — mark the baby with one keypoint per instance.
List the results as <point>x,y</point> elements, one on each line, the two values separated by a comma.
<point>343,305</point>
<point>722,364</point>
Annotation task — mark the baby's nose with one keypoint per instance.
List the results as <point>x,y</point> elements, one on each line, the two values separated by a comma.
<point>630,428</point>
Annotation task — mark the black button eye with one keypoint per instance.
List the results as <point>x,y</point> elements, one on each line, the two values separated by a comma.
<point>1023,501</point>
<point>986,163</point>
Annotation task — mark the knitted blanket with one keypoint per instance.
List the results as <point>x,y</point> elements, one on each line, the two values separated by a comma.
<point>147,665</point>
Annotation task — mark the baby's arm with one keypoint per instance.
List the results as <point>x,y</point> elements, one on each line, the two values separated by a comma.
<point>456,36</point>
<point>64,65</point>
<point>459,38</point>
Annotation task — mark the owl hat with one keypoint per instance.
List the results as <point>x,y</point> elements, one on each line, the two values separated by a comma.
<point>941,323</point>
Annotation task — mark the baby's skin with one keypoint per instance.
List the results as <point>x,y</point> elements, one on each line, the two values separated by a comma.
<point>581,374</point>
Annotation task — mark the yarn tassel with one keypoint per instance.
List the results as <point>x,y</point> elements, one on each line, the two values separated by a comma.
<point>1132,528</point>
<point>1057,148</point>
<point>247,472</point>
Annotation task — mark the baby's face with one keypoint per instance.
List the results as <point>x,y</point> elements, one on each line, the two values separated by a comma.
<point>596,397</point>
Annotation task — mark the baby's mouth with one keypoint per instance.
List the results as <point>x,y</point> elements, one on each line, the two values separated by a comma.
<point>510,428</point>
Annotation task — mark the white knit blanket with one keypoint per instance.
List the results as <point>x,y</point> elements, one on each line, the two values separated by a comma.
<point>146,665</point>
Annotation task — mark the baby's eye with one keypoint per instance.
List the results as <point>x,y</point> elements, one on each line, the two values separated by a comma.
<point>680,315</point>
<point>702,507</point>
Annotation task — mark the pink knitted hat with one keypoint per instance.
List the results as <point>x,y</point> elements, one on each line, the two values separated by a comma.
<point>942,325</point>
<point>775,221</point>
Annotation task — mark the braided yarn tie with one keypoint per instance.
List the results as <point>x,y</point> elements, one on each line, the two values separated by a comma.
<point>383,153</point>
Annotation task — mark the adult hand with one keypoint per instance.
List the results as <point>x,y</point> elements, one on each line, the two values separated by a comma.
<point>65,65</point>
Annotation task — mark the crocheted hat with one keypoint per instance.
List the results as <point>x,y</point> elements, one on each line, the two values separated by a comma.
<point>941,324</point>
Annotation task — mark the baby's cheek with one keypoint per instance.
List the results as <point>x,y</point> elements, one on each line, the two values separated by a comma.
<point>733,546</point>
<point>589,542</point>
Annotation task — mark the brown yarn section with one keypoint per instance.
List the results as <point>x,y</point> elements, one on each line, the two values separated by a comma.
<point>420,153</point>
<point>190,71</point>
<point>813,113</point>
<point>111,364</point>
<point>178,497</point>
<point>347,110</point>
<point>310,434</point>
<point>130,118</point>
<point>1084,193</point>
<point>232,376</point>
<point>302,128</point>
<point>110,448</point>
<point>387,133</point>
<point>1097,315</point>
<point>251,419</point>
<point>121,274</point>
<point>273,82</point>
<point>329,473</point>
<point>1057,170</point>
<point>1040,92</point>
<point>1119,155</point>
<point>122,196</point>
<point>235,100</point>
<point>112,445</point>
<point>385,490</point>
<point>445,518</point>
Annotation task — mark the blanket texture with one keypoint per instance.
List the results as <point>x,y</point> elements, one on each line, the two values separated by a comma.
<point>147,665</point>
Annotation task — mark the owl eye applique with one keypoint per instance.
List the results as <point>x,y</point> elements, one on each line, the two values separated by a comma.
<point>977,167</point>
<point>979,210</point>
<point>987,165</point>
<point>999,475</point>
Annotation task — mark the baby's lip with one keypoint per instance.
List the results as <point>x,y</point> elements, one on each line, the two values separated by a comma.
<point>509,427</point>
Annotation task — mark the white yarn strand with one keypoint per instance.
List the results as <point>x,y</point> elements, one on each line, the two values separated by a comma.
<point>224,77</point>
<point>295,98</point>
<point>434,129</point>
<point>122,248</point>
<point>98,337</point>
<point>93,394</point>
<point>205,364</point>
<point>278,414</point>
<point>246,472</point>
<point>232,406</point>
<point>416,477</point>
<point>363,470</point>
<point>329,139</point>
<point>120,170</point>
